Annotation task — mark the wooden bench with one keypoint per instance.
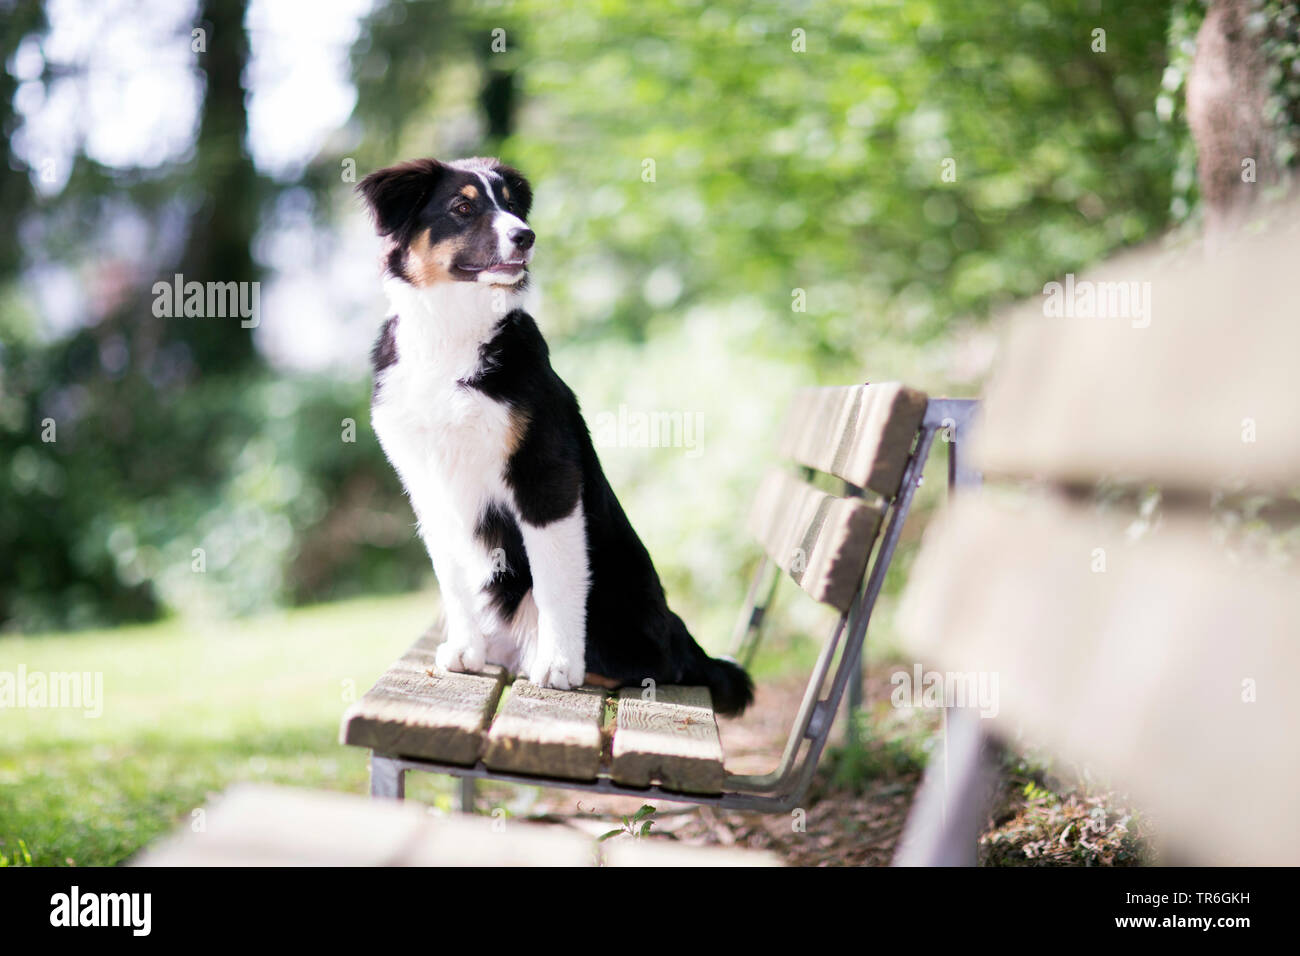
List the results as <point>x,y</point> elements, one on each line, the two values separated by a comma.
<point>1161,655</point>
<point>663,743</point>
<point>260,825</point>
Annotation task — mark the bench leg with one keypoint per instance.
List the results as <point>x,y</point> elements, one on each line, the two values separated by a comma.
<point>951,805</point>
<point>466,794</point>
<point>387,778</point>
<point>853,705</point>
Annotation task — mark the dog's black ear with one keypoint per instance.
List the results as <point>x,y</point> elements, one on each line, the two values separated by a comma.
<point>395,194</point>
<point>521,192</point>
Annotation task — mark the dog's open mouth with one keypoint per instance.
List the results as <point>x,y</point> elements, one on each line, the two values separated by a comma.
<point>497,268</point>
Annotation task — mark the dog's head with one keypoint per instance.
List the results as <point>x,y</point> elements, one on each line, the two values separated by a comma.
<point>463,221</point>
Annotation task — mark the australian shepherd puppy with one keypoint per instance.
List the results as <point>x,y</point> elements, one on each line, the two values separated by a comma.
<point>539,568</point>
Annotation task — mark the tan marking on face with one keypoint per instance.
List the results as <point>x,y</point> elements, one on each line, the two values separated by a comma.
<point>469,191</point>
<point>505,191</point>
<point>429,263</point>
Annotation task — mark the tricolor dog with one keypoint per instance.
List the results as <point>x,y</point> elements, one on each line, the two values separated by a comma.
<point>539,569</point>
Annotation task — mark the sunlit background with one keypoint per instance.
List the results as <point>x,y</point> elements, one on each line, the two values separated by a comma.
<point>732,200</point>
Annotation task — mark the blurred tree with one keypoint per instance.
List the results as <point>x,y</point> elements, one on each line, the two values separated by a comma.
<point>845,182</point>
<point>145,460</point>
<point>902,162</point>
<point>1243,104</point>
<point>16,195</point>
<point>229,191</point>
<point>108,427</point>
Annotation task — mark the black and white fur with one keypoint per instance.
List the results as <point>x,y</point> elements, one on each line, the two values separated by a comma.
<point>539,568</point>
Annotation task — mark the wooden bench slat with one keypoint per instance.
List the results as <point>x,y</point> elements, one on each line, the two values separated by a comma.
<point>415,711</point>
<point>466,840</point>
<point>556,733</point>
<point>1136,671</point>
<point>263,825</point>
<point>260,825</point>
<point>821,541</point>
<point>1198,394</point>
<point>860,433</point>
<point>671,740</point>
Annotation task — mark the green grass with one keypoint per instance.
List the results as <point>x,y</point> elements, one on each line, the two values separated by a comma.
<point>187,711</point>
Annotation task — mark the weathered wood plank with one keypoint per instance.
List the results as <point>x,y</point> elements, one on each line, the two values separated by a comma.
<point>1187,379</point>
<point>1161,664</point>
<point>464,840</point>
<point>861,433</point>
<point>555,733</point>
<point>258,825</point>
<point>821,541</point>
<point>414,710</point>
<point>671,740</point>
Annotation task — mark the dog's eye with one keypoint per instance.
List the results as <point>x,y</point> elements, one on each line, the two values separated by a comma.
<point>462,208</point>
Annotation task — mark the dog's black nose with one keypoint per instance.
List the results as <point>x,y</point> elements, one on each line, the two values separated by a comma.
<point>523,238</point>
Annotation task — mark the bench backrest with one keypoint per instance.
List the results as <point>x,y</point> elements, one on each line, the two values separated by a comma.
<point>1155,650</point>
<point>861,434</point>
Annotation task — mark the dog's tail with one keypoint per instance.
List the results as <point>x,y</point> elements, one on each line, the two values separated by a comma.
<point>730,687</point>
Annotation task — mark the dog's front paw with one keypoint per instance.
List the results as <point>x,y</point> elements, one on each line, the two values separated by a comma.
<point>558,670</point>
<point>460,656</point>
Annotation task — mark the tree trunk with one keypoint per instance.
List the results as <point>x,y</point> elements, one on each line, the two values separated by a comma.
<point>1227,91</point>
<point>221,229</point>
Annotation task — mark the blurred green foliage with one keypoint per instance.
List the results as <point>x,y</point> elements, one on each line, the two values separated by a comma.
<point>230,502</point>
<point>1184,21</point>
<point>733,199</point>
<point>824,170</point>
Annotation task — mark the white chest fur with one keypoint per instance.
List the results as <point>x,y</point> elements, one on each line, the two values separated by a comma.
<point>451,444</point>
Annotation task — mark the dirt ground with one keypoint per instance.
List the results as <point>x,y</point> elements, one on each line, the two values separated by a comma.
<point>856,809</point>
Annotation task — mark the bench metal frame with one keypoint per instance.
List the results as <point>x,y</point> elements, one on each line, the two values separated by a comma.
<point>781,790</point>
